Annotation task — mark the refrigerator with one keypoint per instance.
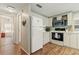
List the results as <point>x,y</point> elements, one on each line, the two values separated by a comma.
<point>36,33</point>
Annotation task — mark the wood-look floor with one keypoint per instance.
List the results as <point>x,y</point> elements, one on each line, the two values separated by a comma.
<point>39,52</point>
<point>53,49</point>
<point>7,47</point>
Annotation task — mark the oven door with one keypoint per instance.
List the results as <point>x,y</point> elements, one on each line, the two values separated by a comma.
<point>57,36</point>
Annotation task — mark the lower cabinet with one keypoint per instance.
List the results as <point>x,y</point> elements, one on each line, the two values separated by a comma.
<point>78,40</point>
<point>66,40</point>
<point>71,40</point>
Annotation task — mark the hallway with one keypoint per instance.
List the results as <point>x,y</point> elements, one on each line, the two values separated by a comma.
<point>7,47</point>
<point>13,19</point>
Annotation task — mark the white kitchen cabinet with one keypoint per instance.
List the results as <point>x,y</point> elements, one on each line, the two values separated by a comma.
<point>46,37</point>
<point>59,17</point>
<point>66,39</point>
<point>77,39</point>
<point>50,21</point>
<point>70,20</point>
<point>70,40</point>
<point>73,40</point>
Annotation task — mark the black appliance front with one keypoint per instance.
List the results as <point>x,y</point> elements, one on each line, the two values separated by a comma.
<point>59,29</point>
<point>57,36</point>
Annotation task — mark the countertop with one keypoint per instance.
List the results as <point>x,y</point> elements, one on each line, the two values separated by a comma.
<point>59,31</point>
<point>65,31</point>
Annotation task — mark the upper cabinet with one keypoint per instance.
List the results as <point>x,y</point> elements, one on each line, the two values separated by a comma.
<point>76,21</point>
<point>70,19</point>
<point>59,17</point>
<point>64,17</point>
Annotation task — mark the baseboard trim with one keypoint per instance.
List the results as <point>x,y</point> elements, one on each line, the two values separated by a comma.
<point>36,51</point>
<point>24,51</point>
<point>46,43</point>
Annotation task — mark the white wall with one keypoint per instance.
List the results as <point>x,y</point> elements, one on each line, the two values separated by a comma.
<point>76,15</point>
<point>45,23</point>
<point>25,30</point>
<point>22,33</point>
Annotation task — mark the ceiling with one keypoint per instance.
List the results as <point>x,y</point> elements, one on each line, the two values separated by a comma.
<point>50,9</point>
<point>12,7</point>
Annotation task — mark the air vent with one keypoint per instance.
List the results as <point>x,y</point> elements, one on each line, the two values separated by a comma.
<point>38,5</point>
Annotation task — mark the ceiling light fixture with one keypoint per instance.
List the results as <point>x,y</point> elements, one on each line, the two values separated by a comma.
<point>11,9</point>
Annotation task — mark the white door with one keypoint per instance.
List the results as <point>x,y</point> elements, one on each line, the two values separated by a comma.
<point>37,39</point>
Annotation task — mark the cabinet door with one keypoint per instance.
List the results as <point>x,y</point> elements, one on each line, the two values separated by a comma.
<point>78,40</point>
<point>59,17</point>
<point>66,39</point>
<point>73,40</point>
<point>70,20</point>
<point>45,37</point>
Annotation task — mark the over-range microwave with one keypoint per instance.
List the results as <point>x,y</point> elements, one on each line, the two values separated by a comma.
<point>59,23</point>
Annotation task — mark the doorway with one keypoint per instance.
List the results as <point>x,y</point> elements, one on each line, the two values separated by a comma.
<point>6,35</point>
